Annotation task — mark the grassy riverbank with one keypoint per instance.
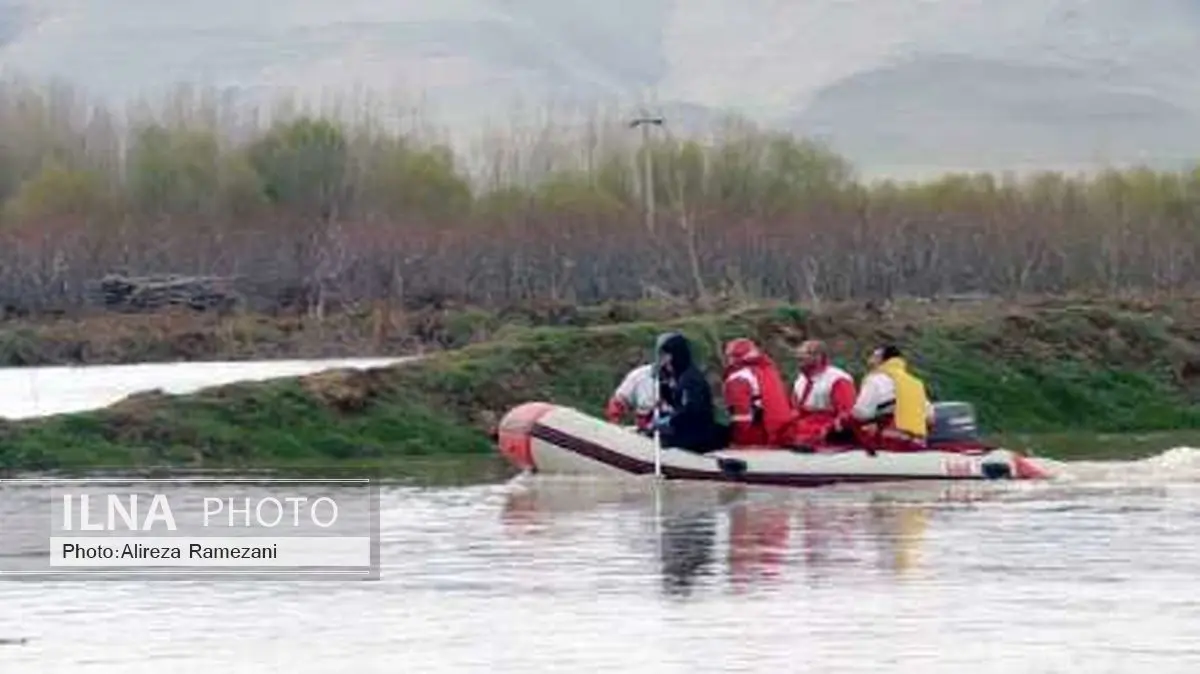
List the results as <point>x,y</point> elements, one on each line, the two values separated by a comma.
<point>1047,369</point>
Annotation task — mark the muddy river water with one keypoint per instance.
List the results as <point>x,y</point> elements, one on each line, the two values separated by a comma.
<point>1096,573</point>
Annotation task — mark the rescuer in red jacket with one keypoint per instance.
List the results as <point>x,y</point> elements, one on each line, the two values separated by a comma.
<point>823,396</point>
<point>759,410</point>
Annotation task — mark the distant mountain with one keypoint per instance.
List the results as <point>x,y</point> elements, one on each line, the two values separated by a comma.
<point>900,85</point>
<point>14,20</point>
<point>965,112</point>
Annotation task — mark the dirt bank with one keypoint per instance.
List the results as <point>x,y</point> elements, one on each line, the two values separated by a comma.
<point>105,338</point>
<point>1047,366</point>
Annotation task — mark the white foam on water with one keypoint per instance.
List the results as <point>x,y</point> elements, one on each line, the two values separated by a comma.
<point>27,392</point>
<point>1173,466</point>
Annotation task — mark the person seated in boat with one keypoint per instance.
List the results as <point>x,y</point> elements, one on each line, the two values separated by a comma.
<point>688,421</point>
<point>759,412</point>
<point>823,396</point>
<point>892,411</point>
<point>637,394</point>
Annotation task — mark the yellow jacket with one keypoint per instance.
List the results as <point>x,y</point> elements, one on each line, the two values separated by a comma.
<point>911,401</point>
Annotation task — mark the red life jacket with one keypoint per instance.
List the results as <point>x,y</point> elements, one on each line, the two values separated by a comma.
<point>828,392</point>
<point>759,410</point>
<point>822,398</point>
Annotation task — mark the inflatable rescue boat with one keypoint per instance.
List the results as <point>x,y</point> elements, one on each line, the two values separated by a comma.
<point>545,438</point>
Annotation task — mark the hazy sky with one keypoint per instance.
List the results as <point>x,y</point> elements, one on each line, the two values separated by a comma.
<point>835,64</point>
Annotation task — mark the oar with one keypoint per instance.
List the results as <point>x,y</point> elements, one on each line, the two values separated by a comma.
<point>658,480</point>
<point>657,449</point>
<point>654,425</point>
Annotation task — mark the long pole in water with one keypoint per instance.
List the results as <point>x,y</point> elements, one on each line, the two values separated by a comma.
<point>654,424</point>
<point>658,486</point>
<point>657,454</point>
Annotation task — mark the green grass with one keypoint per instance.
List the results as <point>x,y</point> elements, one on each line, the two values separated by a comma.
<point>1068,393</point>
<point>1067,383</point>
<point>1090,446</point>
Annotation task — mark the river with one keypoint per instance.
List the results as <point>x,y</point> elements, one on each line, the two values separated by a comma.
<point>1095,573</point>
<point>1092,573</point>
<point>27,392</point>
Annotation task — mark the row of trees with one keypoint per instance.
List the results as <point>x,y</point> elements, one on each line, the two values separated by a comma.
<point>354,211</point>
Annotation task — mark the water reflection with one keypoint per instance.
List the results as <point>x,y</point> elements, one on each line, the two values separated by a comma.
<point>575,576</point>
<point>759,537</point>
<point>686,551</point>
<point>883,533</point>
<point>899,530</point>
<point>743,538</point>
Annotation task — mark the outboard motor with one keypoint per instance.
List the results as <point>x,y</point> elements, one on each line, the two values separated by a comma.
<point>954,422</point>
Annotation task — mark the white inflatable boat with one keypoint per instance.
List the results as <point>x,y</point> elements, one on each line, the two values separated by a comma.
<point>550,439</point>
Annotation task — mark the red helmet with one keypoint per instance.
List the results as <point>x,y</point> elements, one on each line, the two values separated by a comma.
<point>741,350</point>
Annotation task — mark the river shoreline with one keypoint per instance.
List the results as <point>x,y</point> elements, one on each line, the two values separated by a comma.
<point>1067,378</point>
<point>375,330</point>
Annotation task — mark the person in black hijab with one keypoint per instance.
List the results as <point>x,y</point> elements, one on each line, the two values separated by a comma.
<point>687,420</point>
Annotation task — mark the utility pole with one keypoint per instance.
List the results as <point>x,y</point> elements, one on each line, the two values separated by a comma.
<point>645,122</point>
